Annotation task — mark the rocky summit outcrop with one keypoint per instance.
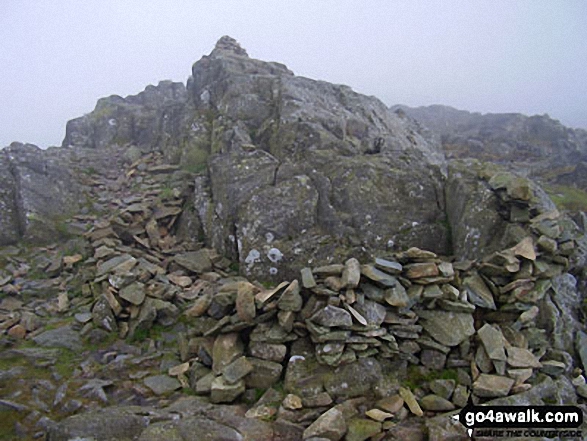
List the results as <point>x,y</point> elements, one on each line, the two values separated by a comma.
<point>260,256</point>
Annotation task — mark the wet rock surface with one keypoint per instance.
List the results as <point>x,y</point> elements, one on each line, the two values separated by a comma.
<point>153,313</point>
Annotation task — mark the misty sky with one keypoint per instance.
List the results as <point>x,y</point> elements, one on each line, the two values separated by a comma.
<point>57,57</point>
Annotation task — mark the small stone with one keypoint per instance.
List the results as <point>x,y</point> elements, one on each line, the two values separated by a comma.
<point>493,342</point>
<point>351,275</point>
<point>162,384</point>
<point>200,306</point>
<point>436,404</point>
<point>118,264</point>
<point>291,300</point>
<point>360,429</point>
<point>133,293</point>
<point>69,261</point>
<point>264,375</point>
<point>181,281</point>
<point>334,283</point>
<point>245,302</point>
<point>391,404</point>
<point>196,261</point>
<point>378,415</point>
<point>267,351</point>
<point>292,402</point>
<point>397,296</point>
<point>308,281</point>
<point>446,269</point>
<point>393,268</point>
<point>553,368</point>
<point>520,375</point>
<point>525,249</point>
<point>411,402</point>
<point>492,386</point>
<point>330,425</point>
<point>447,327</point>
<point>226,349</point>
<point>529,315</point>
<point>478,292</point>
<point>460,396</point>
<point>420,270</point>
<point>521,358</point>
<point>236,370</point>
<point>221,391</point>
<point>547,244</point>
<point>180,369</point>
<point>432,292</point>
<point>321,400</point>
<point>442,388</point>
<point>17,331</point>
<point>332,316</point>
<point>378,276</point>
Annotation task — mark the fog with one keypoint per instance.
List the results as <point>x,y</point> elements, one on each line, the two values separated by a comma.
<point>57,57</point>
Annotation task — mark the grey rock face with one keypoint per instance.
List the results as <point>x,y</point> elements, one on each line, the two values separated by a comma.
<point>136,119</point>
<point>292,159</point>
<point>37,192</point>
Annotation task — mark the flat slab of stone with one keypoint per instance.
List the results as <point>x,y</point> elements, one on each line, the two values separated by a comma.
<point>64,337</point>
<point>447,327</point>
<point>478,292</point>
<point>162,384</point>
<point>493,342</point>
<point>492,386</point>
<point>195,261</point>
<point>330,425</point>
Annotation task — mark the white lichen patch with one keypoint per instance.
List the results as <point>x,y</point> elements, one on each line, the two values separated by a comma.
<point>274,255</point>
<point>253,257</point>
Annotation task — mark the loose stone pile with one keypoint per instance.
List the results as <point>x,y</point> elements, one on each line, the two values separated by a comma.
<point>416,308</point>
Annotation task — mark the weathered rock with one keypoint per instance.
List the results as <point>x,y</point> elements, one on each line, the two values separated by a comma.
<point>222,391</point>
<point>478,293</point>
<point>107,424</point>
<point>227,348</point>
<point>493,342</point>
<point>268,351</point>
<point>308,280</point>
<point>490,386</point>
<point>245,302</point>
<point>448,328</point>
<point>522,358</point>
<point>291,300</point>
<point>102,315</point>
<point>361,429</point>
<point>410,401</point>
<point>133,293</point>
<point>264,374</point>
<point>332,316</point>
<point>378,415</point>
<point>195,261</point>
<point>63,337</point>
<point>351,274</point>
<point>236,370</point>
<point>436,404</point>
<point>162,384</point>
<point>397,296</point>
<point>330,425</point>
<point>442,388</point>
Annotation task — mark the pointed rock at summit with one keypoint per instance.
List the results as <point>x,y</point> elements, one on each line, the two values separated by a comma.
<point>228,44</point>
